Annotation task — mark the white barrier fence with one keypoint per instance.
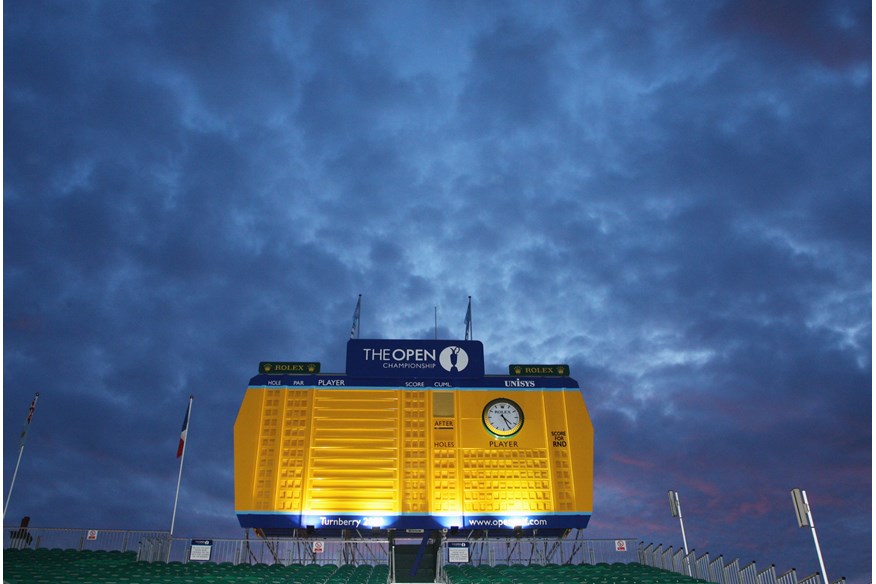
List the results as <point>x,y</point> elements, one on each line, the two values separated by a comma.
<point>159,546</point>
<point>77,539</point>
<point>717,571</point>
<point>285,551</point>
<point>536,551</point>
<point>542,551</point>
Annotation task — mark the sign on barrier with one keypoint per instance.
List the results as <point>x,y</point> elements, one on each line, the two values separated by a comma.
<point>201,550</point>
<point>458,552</point>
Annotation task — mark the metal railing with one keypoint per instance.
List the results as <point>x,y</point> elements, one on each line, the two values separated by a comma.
<point>285,551</point>
<point>78,539</point>
<point>717,571</point>
<point>539,551</point>
<point>159,546</point>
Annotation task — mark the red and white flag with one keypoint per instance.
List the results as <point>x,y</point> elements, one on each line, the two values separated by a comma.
<point>185,429</point>
<point>30,412</point>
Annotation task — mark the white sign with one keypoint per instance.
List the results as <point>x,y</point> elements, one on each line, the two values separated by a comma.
<point>201,550</point>
<point>620,545</point>
<point>92,535</point>
<point>457,552</point>
<point>318,547</point>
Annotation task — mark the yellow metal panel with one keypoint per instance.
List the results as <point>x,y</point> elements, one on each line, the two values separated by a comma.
<point>413,461</point>
<point>396,451</point>
<point>246,436</point>
<point>443,404</point>
<point>354,429</point>
<point>581,449</point>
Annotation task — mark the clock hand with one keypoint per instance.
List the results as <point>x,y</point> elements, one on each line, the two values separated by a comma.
<point>510,425</point>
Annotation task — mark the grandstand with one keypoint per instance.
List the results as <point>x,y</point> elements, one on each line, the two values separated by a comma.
<point>155,558</point>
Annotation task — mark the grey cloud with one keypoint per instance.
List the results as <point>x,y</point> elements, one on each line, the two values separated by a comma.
<point>672,199</point>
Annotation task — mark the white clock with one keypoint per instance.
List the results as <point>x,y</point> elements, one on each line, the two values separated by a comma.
<point>502,417</point>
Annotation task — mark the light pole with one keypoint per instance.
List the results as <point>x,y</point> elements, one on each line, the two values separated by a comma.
<point>675,508</point>
<point>804,519</point>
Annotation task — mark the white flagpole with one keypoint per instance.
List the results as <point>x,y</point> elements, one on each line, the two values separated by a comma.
<point>468,330</point>
<point>354,331</point>
<point>20,450</point>
<point>181,460</point>
<point>12,484</point>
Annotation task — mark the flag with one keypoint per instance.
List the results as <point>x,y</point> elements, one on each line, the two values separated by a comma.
<point>30,412</point>
<point>356,318</point>
<point>32,407</point>
<point>468,321</point>
<point>185,429</point>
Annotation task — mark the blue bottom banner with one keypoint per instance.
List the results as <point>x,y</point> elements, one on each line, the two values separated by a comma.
<point>274,520</point>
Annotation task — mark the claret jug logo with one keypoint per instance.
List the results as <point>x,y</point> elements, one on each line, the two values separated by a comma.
<point>453,359</point>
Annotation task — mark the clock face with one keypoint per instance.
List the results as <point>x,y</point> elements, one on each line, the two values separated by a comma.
<point>503,417</point>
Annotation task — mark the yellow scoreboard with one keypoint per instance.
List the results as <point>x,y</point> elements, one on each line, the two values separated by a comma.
<point>413,436</point>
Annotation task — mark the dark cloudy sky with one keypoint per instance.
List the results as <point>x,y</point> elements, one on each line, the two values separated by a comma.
<point>673,197</point>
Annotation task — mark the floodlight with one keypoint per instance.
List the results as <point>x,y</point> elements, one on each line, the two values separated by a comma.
<point>804,519</point>
<point>675,508</point>
<point>801,506</point>
<point>673,504</point>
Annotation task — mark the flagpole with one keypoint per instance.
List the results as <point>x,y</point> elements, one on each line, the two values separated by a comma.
<point>354,331</point>
<point>468,330</point>
<point>181,460</point>
<point>12,484</point>
<point>21,442</point>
